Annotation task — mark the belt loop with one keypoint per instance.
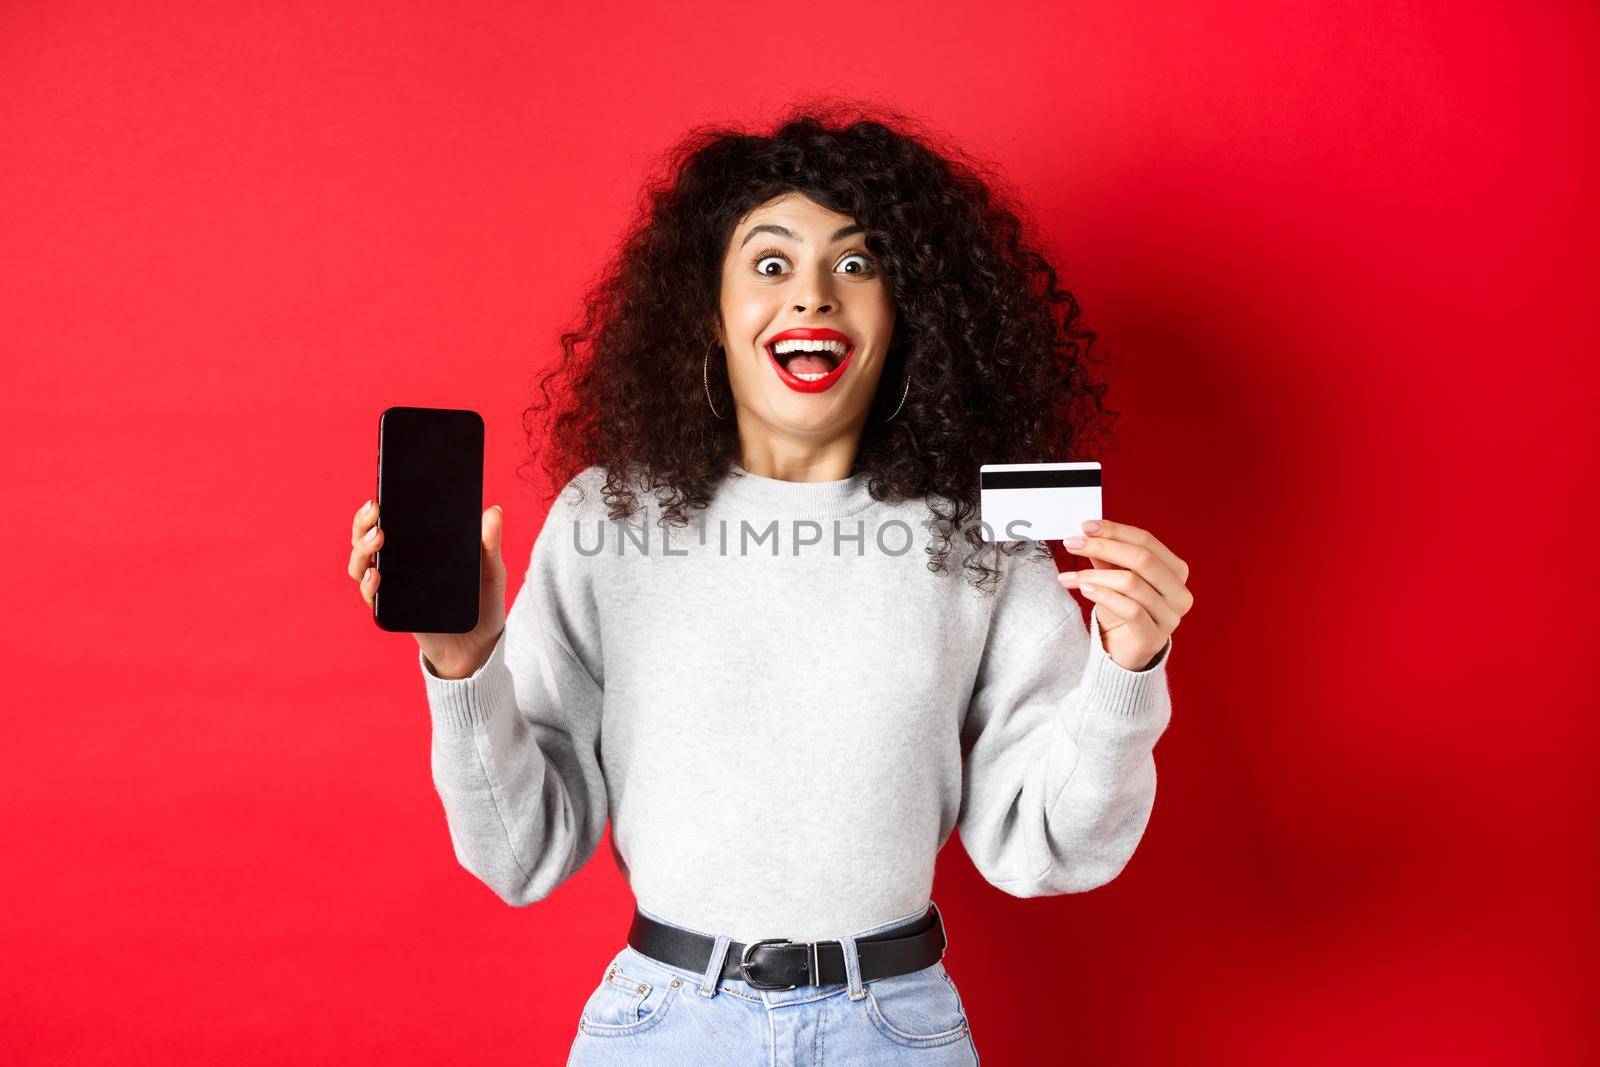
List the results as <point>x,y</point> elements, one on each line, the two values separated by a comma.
<point>713,976</point>
<point>852,967</point>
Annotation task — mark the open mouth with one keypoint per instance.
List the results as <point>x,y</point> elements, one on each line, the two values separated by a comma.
<point>810,365</point>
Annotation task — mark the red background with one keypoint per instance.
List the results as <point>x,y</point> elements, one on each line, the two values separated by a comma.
<point>1339,253</point>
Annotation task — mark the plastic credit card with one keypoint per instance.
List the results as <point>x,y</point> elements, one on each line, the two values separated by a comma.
<point>1037,501</point>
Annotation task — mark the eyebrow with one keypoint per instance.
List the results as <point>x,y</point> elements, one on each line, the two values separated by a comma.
<point>784,231</point>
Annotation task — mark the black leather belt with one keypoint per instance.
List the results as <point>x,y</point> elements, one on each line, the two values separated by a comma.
<point>778,963</point>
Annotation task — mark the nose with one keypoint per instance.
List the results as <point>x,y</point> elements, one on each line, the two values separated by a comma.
<point>816,294</point>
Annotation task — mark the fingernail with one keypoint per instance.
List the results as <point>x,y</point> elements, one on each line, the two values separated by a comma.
<point>367,577</point>
<point>367,506</point>
<point>1068,576</point>
<point>1091,526</point>
<point>372,534</point>
<point>1088,590</point>
<point>1075,542</point>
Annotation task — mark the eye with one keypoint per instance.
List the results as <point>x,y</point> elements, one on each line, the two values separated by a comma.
<point>761,259</point>
<point>866,261</point>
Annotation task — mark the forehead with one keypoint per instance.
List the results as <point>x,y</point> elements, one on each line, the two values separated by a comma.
<point>795,210</point>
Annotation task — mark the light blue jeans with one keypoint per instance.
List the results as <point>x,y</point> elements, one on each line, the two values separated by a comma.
<point>647,1012</point>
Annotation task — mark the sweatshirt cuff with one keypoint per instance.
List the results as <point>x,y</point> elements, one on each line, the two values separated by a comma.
<point>1122,693</point>
<point>458,704</point>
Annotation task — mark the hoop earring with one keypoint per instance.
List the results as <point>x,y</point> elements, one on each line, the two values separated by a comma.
<point>705,378</point>
<point>903,394</point>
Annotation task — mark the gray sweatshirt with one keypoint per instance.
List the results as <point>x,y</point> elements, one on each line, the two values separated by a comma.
<point>784,714</point>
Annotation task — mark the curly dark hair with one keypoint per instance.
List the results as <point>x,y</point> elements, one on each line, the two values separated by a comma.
<point>1001,360</point>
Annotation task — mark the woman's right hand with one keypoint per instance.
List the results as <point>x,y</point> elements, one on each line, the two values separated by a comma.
<point>450,655</point>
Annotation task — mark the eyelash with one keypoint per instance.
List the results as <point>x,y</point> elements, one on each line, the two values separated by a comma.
<point>767,253</point>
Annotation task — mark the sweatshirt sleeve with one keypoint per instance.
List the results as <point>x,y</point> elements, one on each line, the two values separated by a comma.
<point>1059,778</point>
<point>516,746</point>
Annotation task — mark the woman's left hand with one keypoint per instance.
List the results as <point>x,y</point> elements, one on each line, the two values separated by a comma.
<point>1138,585</point>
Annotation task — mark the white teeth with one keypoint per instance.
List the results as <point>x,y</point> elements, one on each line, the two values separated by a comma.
<point>836,347</point>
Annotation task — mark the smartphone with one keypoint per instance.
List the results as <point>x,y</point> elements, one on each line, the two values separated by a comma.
<point>1037,501</point>
<point>430,508</point>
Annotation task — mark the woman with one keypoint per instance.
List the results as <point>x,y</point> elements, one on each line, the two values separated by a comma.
<point>727,643</point>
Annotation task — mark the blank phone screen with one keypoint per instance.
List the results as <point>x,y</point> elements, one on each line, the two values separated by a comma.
<point>430,508</point>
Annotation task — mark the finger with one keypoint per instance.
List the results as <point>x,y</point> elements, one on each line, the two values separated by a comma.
<point>1131,586</point>
<point>1126,609</point>
<point>364,550</point>
<point>1144,561</point>
<point>369,586</point>
<point>1134,588</point>
<point>1134,535</point>
<point>366,515</point>
<point>493,529</point>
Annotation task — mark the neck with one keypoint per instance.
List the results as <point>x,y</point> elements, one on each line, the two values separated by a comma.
<point>799,461</point>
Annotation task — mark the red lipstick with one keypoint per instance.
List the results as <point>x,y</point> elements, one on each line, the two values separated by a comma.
<point>800,385</point>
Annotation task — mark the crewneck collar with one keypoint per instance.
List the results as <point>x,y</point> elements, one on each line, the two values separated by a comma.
<point>775,497</point>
